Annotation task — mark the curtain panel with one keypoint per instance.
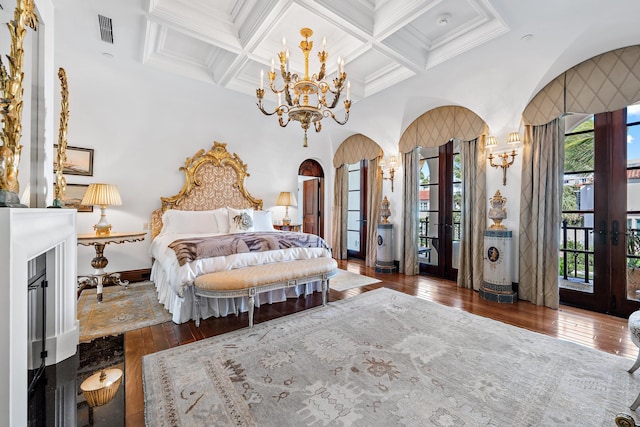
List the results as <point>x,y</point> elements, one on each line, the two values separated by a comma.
<point>474,213</point>
<point>409,256</point>
<point>540,209</point>
<point>374,198</point>
<point>340,193</point>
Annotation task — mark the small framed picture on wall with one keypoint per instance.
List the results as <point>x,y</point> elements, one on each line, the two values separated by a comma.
<point>79,161</point>
<point>73,196</point>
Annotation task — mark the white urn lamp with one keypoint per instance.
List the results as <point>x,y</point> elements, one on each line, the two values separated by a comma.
<point>286,199</point>
<point>102,195</point>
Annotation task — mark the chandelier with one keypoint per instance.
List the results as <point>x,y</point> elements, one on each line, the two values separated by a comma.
<point>305,97</point>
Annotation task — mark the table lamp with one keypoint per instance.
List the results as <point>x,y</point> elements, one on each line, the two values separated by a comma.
<point>286,199</point>
<point>102,195</point>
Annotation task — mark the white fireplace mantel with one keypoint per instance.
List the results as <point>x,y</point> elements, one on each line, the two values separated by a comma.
<point>28,233</point>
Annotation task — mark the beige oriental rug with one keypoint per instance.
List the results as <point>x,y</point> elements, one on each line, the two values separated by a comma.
<point>122,309</point>
<point>344,280</point>
<point>385,358</point>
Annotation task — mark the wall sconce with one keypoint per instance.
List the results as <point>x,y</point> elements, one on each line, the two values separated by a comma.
<point>513,140</point>
<point>391,167</point>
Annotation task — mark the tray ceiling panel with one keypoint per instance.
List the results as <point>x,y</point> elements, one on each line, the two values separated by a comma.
<point>383,42</point>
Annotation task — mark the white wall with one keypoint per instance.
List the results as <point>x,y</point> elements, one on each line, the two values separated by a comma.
<point>143,123</point>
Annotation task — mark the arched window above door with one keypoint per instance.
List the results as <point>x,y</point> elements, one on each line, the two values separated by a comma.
<point>440,125</point>
<point>356,148</point>
<point>606,82</point>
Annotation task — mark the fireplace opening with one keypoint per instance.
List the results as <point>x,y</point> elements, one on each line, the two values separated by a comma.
<point>37,313</point>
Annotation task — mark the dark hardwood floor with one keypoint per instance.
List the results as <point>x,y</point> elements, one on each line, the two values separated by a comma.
<point>599,331</point>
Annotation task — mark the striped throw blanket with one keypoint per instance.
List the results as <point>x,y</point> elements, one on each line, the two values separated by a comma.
<point>191,249</point>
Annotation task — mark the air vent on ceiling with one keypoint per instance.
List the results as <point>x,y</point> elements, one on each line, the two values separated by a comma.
<point>106,29</point>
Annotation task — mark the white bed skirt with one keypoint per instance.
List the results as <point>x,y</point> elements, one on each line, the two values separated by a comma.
<point>182,308</point>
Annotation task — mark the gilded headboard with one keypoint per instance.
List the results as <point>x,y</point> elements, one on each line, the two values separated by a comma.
<point>213,179</point>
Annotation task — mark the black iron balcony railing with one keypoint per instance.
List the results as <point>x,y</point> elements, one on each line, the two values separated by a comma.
<point>576,255</point>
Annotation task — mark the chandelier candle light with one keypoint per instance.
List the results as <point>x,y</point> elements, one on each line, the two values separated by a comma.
<point>298,92</point>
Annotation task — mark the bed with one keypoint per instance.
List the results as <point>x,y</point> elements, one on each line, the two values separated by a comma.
<point>214,224</point>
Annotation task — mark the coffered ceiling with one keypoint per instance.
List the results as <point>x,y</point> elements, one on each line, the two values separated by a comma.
<point>383,42</point>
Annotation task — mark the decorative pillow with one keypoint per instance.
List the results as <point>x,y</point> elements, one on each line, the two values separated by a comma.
<point>240,220</point>
<point>262,221</point>
<point>189,222</point>
<point>222,218</point>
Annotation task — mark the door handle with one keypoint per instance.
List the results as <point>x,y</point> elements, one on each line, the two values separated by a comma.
<point>614,233</point>
<point>603,232</point>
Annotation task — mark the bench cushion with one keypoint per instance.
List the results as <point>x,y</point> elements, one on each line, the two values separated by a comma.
<point>258,275</point>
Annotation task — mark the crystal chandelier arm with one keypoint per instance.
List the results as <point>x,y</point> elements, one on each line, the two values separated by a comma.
<point>336,98</point>
<point>287,95</point>
<point>323,68</point>
<point>280,120</point>
<point>282,55</point>
<point>328,113</point>
<point>265,112</point>
<point>338,85</point>
<point>280,109</point>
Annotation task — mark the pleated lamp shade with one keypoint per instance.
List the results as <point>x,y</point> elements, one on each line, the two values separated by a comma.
<point>101,387</point>
<point>286,198</point>
<point>102,195</point>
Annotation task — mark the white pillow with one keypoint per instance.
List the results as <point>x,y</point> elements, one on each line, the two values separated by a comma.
<point>240,220</point>
<point>222,218</point>
<point>189,222</point>
<point>262,221</point>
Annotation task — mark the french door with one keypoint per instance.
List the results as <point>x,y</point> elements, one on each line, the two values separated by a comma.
<point>357,211</point>
<point>600,234</point>
<point>439,211</point>
<point>311,206</point>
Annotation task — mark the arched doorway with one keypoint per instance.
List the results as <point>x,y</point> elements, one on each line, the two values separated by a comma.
<point>311,178</point>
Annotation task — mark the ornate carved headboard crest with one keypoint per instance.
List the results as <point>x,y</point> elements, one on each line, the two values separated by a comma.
<point>213,179</point>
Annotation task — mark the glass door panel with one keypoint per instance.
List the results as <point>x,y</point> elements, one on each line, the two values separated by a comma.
<point>576,234</point>
<point>439,210</point>
<point>428,209</point>
<point>633,204</point>
<point>456,205</point>
<point>356,214</point>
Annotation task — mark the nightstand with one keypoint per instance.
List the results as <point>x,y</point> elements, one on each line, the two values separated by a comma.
<point>290,227</point>
<point>99,276</point>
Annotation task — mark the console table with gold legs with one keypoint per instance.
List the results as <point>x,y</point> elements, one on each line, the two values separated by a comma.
<point>100,276</point>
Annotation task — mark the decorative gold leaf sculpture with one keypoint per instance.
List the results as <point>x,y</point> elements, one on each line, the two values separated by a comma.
<point>60,185</point>
<point>11,92</point>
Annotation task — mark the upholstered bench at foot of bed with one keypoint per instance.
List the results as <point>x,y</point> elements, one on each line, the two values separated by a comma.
<point>249,281</point>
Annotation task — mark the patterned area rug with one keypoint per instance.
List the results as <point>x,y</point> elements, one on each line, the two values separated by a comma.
<point>122,309</point>
<point>346,280</point>
<point>385,358</point>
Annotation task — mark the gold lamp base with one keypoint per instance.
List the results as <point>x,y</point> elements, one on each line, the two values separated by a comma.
<point>102,227</point>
